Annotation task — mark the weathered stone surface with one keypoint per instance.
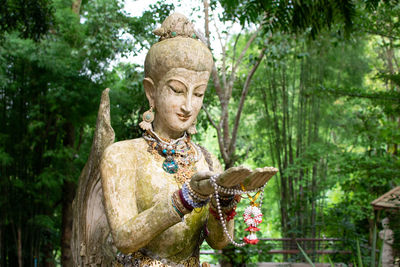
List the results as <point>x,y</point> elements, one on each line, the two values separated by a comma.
<point>138,213</point>
<point>387,236</point>
<point>91,241</point>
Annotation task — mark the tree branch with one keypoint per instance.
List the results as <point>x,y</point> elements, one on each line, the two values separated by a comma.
<point>240,58</point>
<point>375,32</point>
<point>245,90</point>
<point>206,40</point>
<point>218,129</point>
<point>223,47</point>
<point>234,47</point>
<point>206,27</point>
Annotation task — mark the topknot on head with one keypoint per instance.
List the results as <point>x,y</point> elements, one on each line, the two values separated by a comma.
<point>177,48</point>
<point>175,25</point>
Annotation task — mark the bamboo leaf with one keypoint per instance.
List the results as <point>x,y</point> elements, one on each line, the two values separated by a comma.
<point>305,255</point>
<point>330,262</point>
<point>359,256</point>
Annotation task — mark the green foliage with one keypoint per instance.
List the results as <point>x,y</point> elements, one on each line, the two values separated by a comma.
<point>292,16</point>
<point>52,73</point>
<point>325,111</point>
<point>31,18</point>
<point>128,100</point>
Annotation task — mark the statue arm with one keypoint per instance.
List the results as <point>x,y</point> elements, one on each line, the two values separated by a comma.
<point>390,237</point>
<point>381,235</point>
<point>130,230</point>
<point>217,239</point>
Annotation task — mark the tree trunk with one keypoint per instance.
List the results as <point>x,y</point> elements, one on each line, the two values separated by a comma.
<point>76,6</point>
<point>68,191</point>
<point>227,136</point>
<point>68,194</point>
<point>68,188</point>
<point>19,245</point>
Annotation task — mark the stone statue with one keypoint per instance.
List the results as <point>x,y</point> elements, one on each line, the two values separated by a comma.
<point>387,237</point>
<point>163,194</point>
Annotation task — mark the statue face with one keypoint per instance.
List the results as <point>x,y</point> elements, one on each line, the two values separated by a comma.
<point>385,223</point>
<point>177,99</point>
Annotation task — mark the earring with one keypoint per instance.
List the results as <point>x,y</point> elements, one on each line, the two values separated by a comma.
<point>148,118</point>
<point>192,129</point>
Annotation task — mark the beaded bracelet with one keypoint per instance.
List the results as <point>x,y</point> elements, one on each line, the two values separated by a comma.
<point>186,198</point>
<point>177,203</point>
<point>184,202</point>
<point>176,209</point>
<point>229,212</point>
<point>229,215</point>
<point>228,203</point>
<point>194,194</point>
<point>228,197</point>
<point>232,191</point>
<point>224,206</point>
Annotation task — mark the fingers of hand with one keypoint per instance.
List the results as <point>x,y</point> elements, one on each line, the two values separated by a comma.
<point>203,175</point>
<point>259,177</point>
<point>200,182</point>
<point>205,187</point>
<point>233,176</point>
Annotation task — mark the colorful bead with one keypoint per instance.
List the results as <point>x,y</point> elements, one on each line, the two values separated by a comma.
<point>176,209</point>
<point>170,166</point>
<point>181,165</point>
<point>189,200</point>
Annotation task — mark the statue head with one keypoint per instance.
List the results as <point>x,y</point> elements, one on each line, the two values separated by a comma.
<point>177,69</point>
<point>385,223</point>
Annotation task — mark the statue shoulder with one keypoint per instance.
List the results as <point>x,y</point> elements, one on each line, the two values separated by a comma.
<point>127,150</point>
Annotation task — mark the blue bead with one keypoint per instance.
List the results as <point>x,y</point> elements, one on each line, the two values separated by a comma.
<point>173,151</point>
<point>164,151</point>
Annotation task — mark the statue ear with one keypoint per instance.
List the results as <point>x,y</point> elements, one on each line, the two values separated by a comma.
<point>150,90</point>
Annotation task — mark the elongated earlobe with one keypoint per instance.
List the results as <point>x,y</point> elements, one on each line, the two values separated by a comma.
<point>150,90</point>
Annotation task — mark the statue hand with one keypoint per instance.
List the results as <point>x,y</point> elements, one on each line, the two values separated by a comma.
<point>259,177</point>
<point>200,182</point>
<point>233,176</point>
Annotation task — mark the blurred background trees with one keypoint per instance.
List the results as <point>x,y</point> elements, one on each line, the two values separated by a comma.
<point>322,106</point>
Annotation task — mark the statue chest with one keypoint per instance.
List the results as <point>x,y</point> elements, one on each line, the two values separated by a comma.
<point>154,185</point>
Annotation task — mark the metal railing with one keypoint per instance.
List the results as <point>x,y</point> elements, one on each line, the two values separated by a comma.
<point>289,246</point>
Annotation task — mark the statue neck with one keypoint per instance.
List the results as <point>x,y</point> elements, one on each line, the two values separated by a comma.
<point>166,134</point>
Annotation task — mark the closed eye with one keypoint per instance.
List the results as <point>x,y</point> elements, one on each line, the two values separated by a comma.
<point>198,94</point>
<point>175,90</point>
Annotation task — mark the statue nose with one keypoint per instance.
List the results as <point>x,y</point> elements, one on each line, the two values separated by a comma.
<point>187,106</point>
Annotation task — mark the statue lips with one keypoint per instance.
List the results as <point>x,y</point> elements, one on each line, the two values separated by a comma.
<point>183,117</point>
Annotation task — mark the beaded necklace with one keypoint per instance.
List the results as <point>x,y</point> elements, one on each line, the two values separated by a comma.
<point>180,155</point>
<point>252,214</point>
